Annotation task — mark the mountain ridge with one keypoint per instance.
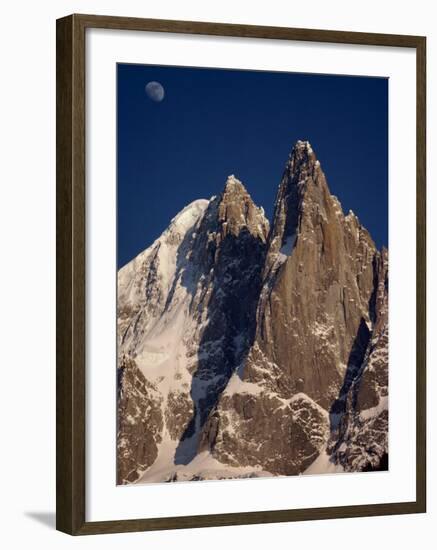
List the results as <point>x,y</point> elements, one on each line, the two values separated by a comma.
<point>256,347</point>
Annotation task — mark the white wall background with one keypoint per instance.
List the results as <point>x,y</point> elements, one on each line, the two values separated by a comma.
<point>27,285</point>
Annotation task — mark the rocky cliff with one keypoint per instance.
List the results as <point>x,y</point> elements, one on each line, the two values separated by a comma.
<point>248,350</point>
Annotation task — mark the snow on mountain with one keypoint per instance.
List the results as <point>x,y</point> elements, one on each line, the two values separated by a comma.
<point>247,350</point>
<point>153,303</point>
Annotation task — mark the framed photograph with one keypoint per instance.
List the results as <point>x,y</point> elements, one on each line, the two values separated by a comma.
<point>232,203</point>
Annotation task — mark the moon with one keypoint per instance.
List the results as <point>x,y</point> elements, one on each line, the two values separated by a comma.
<point>155,91</point>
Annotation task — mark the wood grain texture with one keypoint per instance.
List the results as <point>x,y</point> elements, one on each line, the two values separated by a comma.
<point>70,258</point>
<point>247,31</point>
<point>71,280</point>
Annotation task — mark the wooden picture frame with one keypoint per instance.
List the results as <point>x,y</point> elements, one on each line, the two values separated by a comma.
<point>71,246</point>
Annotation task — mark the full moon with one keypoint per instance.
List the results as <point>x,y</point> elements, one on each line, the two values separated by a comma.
<point>155,91</point>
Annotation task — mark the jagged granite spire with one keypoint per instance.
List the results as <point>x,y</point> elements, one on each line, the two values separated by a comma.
<point>237,211</point>
<point>325,280</point>
<point>313,326</point>
<point>264,349</point>
<point>302,177</point>
<point>183,326</point>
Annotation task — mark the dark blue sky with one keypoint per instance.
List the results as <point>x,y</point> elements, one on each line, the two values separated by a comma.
<point>216,122</point>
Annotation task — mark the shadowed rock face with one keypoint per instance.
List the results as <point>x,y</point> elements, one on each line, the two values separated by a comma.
<point>360,438</point>
<point>218,262</point>
<point>230,247</point>
<point>282,353</point>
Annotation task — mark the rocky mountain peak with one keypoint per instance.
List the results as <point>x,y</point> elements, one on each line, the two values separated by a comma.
<point>313,251</point>
<point>302,164</point>
<point>302,189</point>
<point>237,211</point>
<point>266,350</point>
<point>234,185</point>
<point>303,169</point>
<point>303,151</point>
